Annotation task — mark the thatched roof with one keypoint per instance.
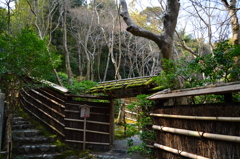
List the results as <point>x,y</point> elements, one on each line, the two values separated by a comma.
<point>223,88</point>
<point>130,87</point>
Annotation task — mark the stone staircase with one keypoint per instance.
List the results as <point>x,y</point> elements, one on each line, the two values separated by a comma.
<point>29,143</point>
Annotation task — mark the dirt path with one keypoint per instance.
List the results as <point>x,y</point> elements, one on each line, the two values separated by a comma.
<point>119,150</point>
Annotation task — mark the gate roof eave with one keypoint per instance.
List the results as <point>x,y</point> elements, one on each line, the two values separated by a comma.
<point>124,88</point>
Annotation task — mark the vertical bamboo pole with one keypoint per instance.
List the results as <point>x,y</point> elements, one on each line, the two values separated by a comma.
<point>111,120</point>
<point>84,134</point>
<point>228,97</point>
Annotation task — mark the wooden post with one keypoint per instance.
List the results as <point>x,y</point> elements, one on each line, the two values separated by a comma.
<point>2,97</point>
<point>85,113</point>
<point>84,133</point>
<point>228,97</point>
<point>111,126</point>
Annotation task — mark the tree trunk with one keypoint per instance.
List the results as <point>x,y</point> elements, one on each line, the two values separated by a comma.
<point>106,69</point>
<point>164,40</point>
<point>121,114</point>
<point>232,11</point>
<point>65,47</point>
<point>41,30</point>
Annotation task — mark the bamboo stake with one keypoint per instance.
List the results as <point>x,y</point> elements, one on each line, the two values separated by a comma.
<point>84,134</point>
<point>88,121</point>
<point>197,133</point>
<point>95,143</point>
<point>229,119</point>
<point>179,152</point>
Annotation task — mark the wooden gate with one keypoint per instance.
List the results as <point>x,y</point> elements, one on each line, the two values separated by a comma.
<point>60,113</point>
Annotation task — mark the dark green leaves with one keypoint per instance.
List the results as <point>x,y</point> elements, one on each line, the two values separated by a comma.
<point>26,55</point>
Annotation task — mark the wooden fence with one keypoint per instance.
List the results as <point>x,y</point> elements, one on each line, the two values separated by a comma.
<point>198,130</point>
<point>60,113</point>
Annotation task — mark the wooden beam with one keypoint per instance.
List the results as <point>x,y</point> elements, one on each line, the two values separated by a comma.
<point>198,91</point>
<point>111,127</point>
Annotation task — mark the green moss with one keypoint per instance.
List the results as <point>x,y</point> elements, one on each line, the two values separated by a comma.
<point>149,82</point>
<point>60,144</point>
<point>76,153</point>
<point>135,85</point>
<point>121,84</point>
<point>159,88</point>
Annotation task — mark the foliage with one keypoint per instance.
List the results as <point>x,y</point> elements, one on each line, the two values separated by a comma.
<point>23,55</point>
<point>168,78</point>
<point>149,18</point>
<point>222,66</point>
<point>77,87</point>
<point>143,121</point>
<point>3,20</point>
<point>26,55</point>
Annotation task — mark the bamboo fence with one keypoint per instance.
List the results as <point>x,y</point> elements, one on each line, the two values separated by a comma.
<point>207,130</point>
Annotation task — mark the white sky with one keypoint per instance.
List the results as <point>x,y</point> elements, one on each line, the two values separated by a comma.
<point>183,21</point>
<point>3,3</point>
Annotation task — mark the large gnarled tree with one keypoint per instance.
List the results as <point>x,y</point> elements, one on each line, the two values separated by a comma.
<point>163,40</point>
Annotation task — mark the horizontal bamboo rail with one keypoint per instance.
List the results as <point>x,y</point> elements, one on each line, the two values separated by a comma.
<point>76,111</point>
<point>197,133</point>
<point>88,121</point>
<point>131,119</point>
<point>95,143</point>
<point>91,131</point>
<point>92,106</point>
<point>130,112</point>
<point>179,152</point>
<point>228,119</point>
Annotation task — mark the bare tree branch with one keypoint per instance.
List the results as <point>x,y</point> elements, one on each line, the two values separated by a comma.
<point>184,45</point>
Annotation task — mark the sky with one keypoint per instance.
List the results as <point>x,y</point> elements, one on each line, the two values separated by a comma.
<point>3,3</point>
<point>183,21</point>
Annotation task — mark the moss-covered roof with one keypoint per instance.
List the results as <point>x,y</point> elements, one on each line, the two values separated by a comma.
<point>125,88</point>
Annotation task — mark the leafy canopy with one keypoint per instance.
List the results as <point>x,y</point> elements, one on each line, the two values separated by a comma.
<point>26,55</point>
<point>221,66</point>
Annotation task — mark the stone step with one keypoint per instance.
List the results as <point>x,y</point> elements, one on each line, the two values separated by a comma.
<point>18,118</point>
<point>33,140</point>
<point>20,122</point>
<point>40,156</point>
<point>23,126</point>
<point>36,148</point>
<point>26,133</point>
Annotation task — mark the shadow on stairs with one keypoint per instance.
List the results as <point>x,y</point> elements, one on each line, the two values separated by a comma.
<point>29,142</point>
